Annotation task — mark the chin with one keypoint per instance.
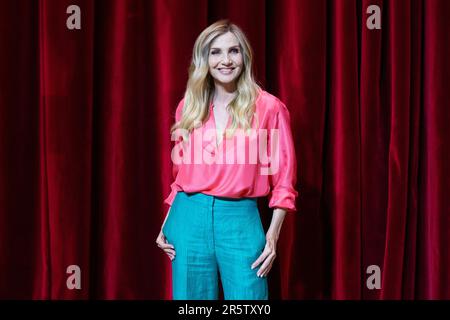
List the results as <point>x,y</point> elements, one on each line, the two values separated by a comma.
<point>226,80</point>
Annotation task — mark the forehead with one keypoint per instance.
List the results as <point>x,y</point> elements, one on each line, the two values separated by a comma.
<point>227,40</point>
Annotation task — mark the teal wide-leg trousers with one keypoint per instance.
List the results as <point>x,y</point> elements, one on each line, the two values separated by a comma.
<point>215,236</point>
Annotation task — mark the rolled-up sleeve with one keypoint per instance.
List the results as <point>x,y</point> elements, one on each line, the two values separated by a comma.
<point>283,182</point>
<point>174,187</point>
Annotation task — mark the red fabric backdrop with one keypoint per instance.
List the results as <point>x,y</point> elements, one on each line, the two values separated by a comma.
<point>85,145</point>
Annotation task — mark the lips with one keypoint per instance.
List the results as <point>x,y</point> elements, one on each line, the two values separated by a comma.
<point>226,70</point>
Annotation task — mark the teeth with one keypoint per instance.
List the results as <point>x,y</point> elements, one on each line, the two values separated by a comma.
<point>226,71</point>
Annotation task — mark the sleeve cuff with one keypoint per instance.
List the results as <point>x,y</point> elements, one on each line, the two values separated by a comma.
<point>173,193</point>
<point>284,199</point>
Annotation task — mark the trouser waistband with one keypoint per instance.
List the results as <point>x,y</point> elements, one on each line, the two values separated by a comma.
<point>218,201</point>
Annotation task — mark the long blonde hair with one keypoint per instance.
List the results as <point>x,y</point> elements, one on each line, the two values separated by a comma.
<point>200,86</point>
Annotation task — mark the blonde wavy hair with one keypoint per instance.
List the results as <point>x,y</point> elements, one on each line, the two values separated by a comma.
<point>200,86</point>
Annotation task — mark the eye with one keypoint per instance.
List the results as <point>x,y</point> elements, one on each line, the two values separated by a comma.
<point>214,51</point>
<point>235,50</point>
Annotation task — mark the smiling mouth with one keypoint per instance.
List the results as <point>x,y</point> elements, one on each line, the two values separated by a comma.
<point>226,70</point>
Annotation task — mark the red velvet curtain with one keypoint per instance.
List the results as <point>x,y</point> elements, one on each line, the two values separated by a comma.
<point>85,145</point>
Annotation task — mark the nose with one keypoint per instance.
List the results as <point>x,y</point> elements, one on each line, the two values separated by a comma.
<point>227,59</point>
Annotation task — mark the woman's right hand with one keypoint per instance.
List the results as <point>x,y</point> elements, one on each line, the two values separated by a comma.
<point>162,242</point>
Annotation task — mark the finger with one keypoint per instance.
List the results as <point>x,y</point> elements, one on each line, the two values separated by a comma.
<point>166,245</point>
<point>260,259</point>
<point>269,267</point>
<point>170,251</point>
<point>265,264</point>
<point>263,267</point>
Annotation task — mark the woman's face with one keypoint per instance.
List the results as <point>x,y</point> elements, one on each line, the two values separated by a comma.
<point>225,59</point>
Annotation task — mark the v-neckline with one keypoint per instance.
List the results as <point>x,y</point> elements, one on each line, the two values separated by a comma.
<point>213,117</point>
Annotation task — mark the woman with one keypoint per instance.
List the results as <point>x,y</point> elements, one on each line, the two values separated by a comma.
<point>213,227</point>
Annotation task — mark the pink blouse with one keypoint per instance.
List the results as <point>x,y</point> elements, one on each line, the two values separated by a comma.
<point>263,163</point>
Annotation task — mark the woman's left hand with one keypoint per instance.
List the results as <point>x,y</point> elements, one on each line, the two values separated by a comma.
<point>267,257</point>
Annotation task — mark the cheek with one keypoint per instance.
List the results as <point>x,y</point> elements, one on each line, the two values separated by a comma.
<point>241,59</point>
<point>212,61</point>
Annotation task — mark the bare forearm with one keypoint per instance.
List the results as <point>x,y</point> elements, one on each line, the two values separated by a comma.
<point>167,214</point>
<point>276,223</point>
<point>268,255</point>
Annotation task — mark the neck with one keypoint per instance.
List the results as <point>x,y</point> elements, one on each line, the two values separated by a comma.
<point>224,93</point>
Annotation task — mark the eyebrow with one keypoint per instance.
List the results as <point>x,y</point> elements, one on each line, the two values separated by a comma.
<point>233,47</point>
